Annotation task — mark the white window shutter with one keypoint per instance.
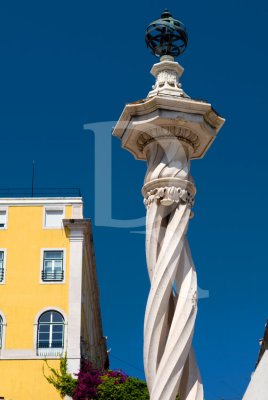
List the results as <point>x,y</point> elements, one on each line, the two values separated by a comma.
<point>53,218</point>
<point>3,218</point>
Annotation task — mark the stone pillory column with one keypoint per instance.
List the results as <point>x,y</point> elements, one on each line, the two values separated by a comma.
<point>168,129</point>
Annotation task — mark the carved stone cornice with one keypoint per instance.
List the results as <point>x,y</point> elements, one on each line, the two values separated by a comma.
<point>161,111</point>
<point>183,134</point>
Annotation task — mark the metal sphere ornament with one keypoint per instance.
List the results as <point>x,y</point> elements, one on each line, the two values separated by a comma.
<point>166,36</point>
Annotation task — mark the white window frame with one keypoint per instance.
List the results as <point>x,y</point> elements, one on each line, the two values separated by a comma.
<point>53,208</point>
<point>4,266</point>
<point>2,341</point>
<point>63,266</point>
<point>35,338</point>
<point>6,211</point>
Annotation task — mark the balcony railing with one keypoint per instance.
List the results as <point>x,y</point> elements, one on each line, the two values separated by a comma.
<point>2,274</point>
<point>54,349</point>
<point>56,276</point>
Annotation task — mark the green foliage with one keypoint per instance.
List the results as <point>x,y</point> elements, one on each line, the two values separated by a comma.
<point>131,389</point>
<point>115,385</point>
<point>62,380</point>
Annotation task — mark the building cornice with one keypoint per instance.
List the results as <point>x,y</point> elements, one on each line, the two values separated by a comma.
<point>77,228</point>
<point>40,201</point>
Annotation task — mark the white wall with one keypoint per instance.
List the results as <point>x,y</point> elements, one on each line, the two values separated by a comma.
<point>258,386</point>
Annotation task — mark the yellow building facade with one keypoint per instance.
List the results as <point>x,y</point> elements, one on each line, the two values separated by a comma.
<point>49,299</point>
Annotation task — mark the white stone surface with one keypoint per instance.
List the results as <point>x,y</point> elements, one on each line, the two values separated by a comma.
<point>76,236</point>
<point>258,386</point>
<point>83,333</point>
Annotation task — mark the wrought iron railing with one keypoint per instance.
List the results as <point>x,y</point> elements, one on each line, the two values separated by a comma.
<point>2,274</point>
<point>56,276</point>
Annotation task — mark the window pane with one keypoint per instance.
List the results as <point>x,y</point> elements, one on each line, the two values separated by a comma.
<point>43,344</point>
<point>48,265</point>
<point>53,218</point>
<point>57,337</point>
<point>53,255</point>
<point>57,317</point>
<point>45,317</point>
<point>58,265</point>
<point>57,328</point>
<point>43,336</point>
<point>44,328</point>
<point>1,255</point>
<point>57,344</point>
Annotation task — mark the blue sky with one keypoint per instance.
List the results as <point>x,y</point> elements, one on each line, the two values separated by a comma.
<point>64,64</point>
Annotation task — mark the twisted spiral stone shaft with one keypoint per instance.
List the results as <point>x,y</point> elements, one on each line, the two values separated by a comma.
<point>169,360</point>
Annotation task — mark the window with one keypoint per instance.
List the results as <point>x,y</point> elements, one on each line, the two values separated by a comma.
<point>2,270</point>
<point>53,266</point>
<point>1,331</point>
<point>3,219</point>
<point>53,217</point>
<point>50,334</point>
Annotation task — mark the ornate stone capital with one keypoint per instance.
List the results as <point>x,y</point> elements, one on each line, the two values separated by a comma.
<point>161,132</point>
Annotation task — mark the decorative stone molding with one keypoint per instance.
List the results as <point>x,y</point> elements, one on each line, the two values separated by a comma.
<point>169,195</point>
<point>167,74</point>
<point>176,132</point>
<point>213,119</point>
<point>167,191</point>
<point>167,77</point>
